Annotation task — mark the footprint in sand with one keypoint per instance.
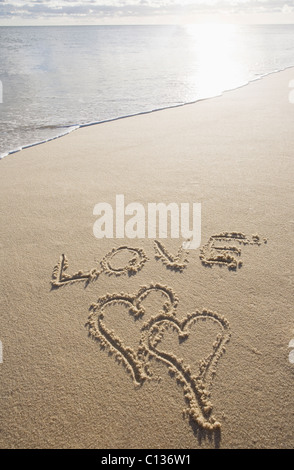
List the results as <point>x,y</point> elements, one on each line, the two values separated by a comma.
<point>291,353</point>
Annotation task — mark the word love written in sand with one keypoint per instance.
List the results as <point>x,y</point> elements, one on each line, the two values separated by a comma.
<point>151,344</point>
<point>210,254</point>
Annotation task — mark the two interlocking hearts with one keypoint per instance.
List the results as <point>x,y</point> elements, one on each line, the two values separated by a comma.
<point>151,335</point>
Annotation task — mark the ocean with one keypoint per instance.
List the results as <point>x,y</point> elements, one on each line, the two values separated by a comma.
<point>54,79</point>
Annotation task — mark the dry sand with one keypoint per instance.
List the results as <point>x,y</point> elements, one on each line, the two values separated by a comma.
<point>75,377</point>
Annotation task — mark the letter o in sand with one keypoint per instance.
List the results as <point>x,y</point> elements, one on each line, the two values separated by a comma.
<point>118,261</point>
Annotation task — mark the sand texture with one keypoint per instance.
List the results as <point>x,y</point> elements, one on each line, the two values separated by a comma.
<point>141,343</point>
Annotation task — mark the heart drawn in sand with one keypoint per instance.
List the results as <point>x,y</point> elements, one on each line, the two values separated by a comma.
<point>196,386</point>
<point>134,359</point>
<point>150,336</point>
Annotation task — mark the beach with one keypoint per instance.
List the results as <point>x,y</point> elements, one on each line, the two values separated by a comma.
<point>143,346</point>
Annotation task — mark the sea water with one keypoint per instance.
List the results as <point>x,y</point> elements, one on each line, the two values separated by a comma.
<point>54,79</point>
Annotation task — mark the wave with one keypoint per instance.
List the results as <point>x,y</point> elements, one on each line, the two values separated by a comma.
<point>67,129</point>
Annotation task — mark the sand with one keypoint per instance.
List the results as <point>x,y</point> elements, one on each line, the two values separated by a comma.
<point>141,344</point>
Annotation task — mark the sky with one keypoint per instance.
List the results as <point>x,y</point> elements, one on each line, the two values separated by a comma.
<point>45,12</point>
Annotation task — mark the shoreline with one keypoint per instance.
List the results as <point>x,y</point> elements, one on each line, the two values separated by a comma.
<point>75,127</point>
